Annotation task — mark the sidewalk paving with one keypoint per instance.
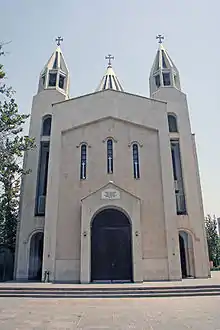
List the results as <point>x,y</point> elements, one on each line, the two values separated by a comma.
<point>197,313</point>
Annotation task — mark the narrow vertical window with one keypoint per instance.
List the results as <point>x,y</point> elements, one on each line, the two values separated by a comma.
<point>83,162</point>
<point>136,166</point>
<point>157,80</point>
<point>172,122</point>
<point>109,156</point>
<point>178,177</point>
<point>46,126</point>
<point>166,79</point>
<point>52,79</point>
<point>42,178</point>
<point>61,81</point>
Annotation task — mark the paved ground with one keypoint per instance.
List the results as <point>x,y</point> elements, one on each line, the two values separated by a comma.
<point>199,313</point>
<point>143,314</point>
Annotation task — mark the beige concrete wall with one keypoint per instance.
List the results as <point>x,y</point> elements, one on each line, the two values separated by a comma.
<point>29,222</point>
<point>81,123</point>
<point>126,118</point>
<point>193,222</point>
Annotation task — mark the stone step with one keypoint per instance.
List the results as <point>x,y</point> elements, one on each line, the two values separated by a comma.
<point>109,292</point>
<point>128,295</point>
<point>109,288</point>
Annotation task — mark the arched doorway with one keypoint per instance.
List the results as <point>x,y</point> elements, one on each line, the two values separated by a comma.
<point>111,247</point>
<point>35,257</point>
<point>186,254</point>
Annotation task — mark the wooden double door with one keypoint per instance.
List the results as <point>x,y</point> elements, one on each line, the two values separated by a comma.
<point>111,247</point>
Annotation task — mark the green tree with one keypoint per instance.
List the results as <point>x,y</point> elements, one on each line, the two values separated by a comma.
<point>212,239</point>
<point>13,145</point>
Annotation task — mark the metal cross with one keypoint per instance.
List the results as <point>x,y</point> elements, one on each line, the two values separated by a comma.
<point>160,37</point>
<point>58,40</point>
<point>109,58</point>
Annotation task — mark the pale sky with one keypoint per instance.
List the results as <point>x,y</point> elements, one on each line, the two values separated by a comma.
<point>93,28</point>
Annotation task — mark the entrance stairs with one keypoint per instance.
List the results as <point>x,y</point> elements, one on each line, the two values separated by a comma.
<point>108,292</point>
<point>185,288</point>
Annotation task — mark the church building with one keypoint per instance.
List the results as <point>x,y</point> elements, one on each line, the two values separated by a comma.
<point>114,191</point>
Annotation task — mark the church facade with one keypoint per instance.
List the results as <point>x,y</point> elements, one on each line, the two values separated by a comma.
<point>114,191</point>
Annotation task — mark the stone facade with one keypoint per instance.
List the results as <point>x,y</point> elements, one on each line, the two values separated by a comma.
<point>149,202</point>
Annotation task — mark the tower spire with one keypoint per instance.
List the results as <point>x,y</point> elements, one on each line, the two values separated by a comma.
<point>55,74</point>
<point>164,73</point>
<point>110,80</point>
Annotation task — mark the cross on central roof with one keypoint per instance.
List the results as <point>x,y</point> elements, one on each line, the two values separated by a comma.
<point>58,40</point>
<point>160,37</point>
<point>109,58</point>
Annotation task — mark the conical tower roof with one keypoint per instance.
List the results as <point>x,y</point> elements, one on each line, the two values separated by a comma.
<point>162,60</point>
<point>110,80</point>
<point>56,61</point>
<point>163,73</point>
<point>55,74</point>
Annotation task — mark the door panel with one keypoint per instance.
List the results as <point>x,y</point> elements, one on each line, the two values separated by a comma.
<point>111,252</point>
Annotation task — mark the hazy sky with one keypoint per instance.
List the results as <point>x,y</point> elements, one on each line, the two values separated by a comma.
<point>127,29</point>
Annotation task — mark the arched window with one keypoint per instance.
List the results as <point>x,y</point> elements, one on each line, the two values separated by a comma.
<point>83,162</point>
<point>46,127</point>
<point>136,166</point>
<point>109,156</point>
<point>172,122</point>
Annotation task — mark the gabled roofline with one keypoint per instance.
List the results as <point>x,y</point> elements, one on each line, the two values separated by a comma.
<point>107,118</point>
<point>110,183</point>
<point>112,91</point>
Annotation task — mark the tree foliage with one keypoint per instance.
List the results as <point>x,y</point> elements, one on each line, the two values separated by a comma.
<point>212,240</point>
<point>13,145</point>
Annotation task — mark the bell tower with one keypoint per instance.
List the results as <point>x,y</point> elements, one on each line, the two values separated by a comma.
<point>164,73</point>
<point>55,74</point>
<point>53,87</point>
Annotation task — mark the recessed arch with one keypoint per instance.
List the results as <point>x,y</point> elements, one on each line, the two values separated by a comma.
<point>113,207</point>
<point>35,256</point>
<point>135,142</point>
<point>186,249</point>
<point>110,138</point>
<point>111,246</point>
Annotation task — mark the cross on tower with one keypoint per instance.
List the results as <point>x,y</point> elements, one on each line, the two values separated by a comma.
<point>58,40</point>
<point>160,37</point>
<point>109,58</point>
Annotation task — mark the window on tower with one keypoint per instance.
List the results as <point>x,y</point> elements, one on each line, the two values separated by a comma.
<point>42,178</point>
<point>52,79</point>
<point>136,166</point>
<point>83,162</point>
<point>166,79</point>
<point>61,81</point>
<point>157,80</point>
<point>178,177</point>
<point>43,80</point>
<point>46,126</point>
<point>175,81</point>
<point>172,122</point>
<point>109,156</point>
<point>163,60</point>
